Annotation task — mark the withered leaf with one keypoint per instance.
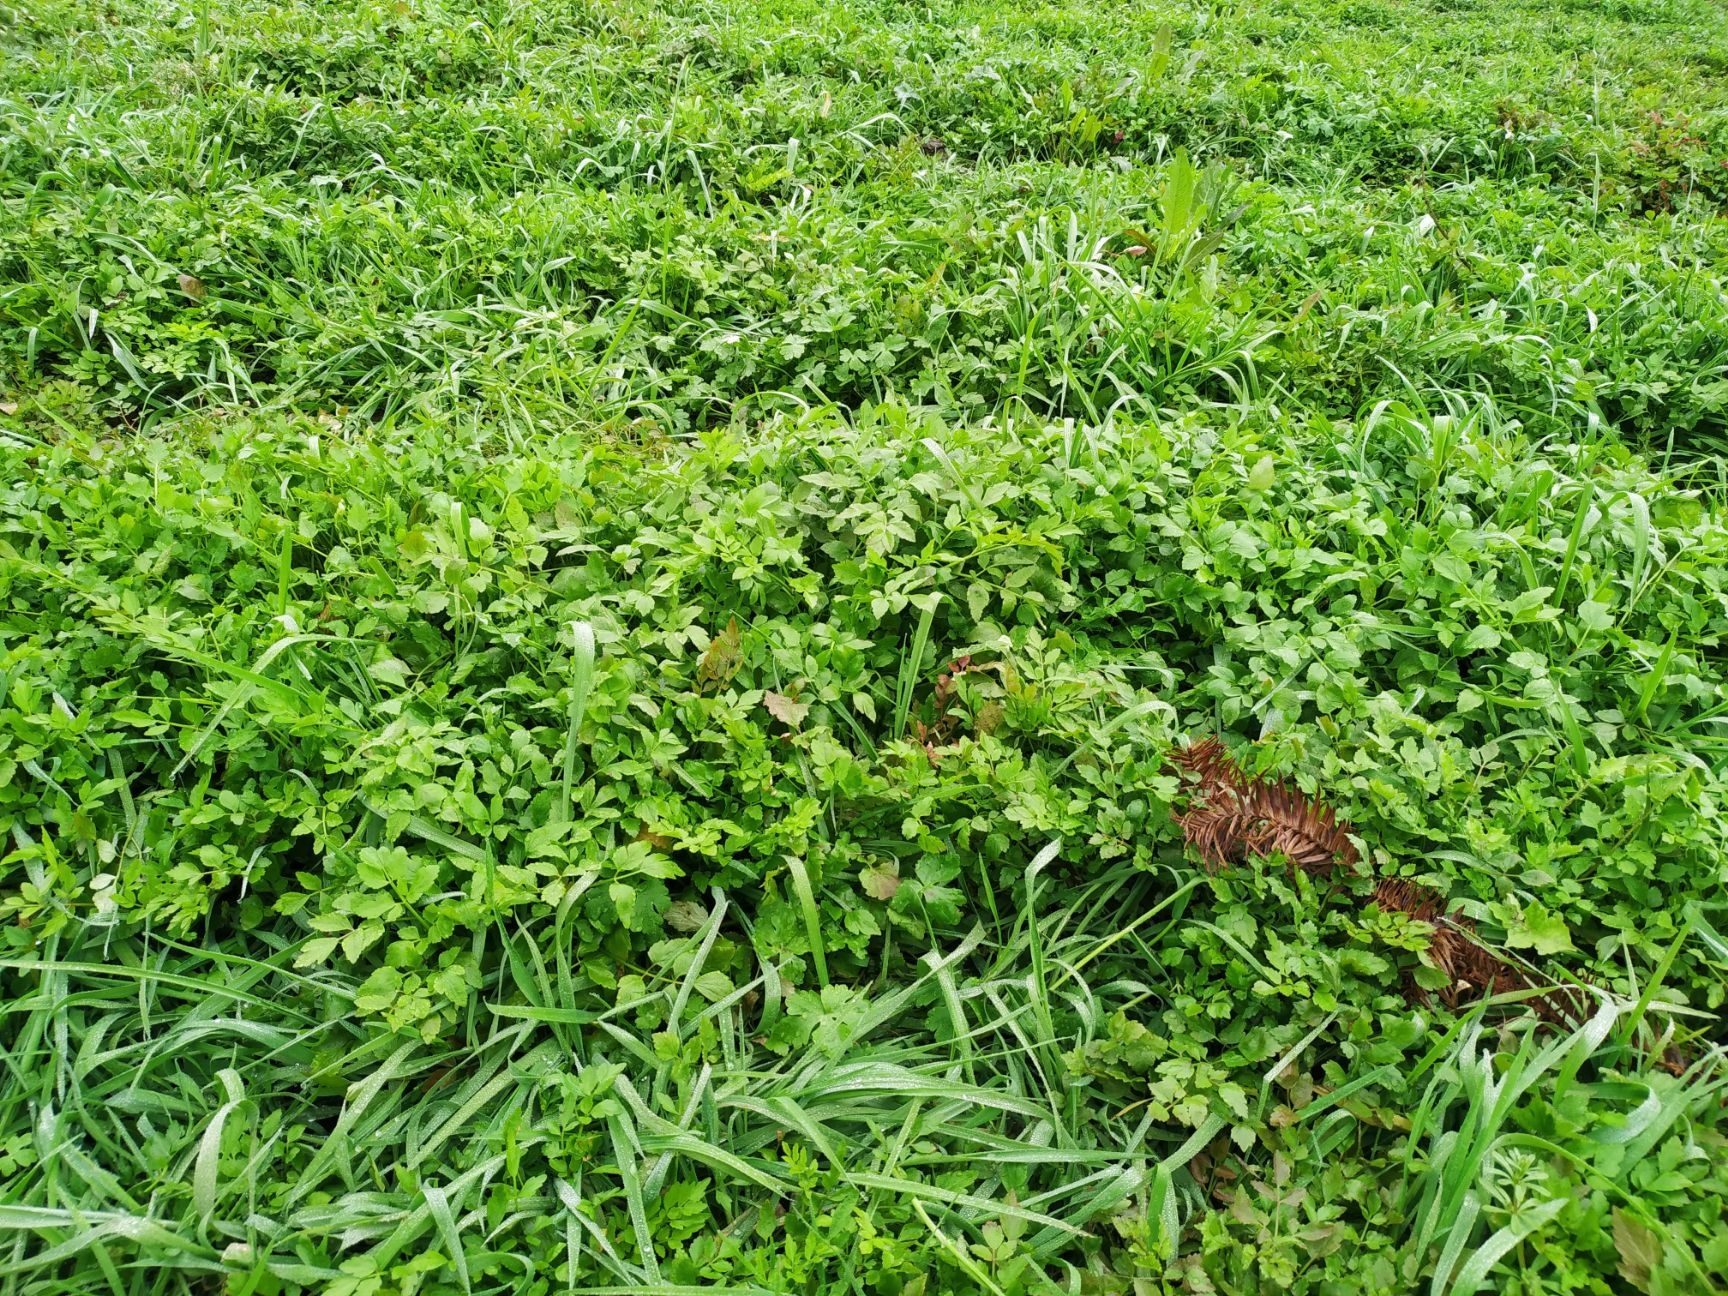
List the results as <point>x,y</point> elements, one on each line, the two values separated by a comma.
<point>193,287</point>
<point>784,709</point>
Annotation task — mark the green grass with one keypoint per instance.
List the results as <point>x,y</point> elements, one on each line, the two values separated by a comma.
<point>594,597</point>
<point>550,214</point>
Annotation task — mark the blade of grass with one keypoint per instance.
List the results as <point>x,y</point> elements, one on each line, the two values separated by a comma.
<point>581,682</point>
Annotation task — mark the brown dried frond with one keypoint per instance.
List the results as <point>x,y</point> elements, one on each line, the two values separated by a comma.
<point>1397,895</point>
<point>1211,764</point>
<point>1216,836</point>
<point>1472,970</point>
<point>1231,816</point>
<point>1477,972</point>
<point>944,726</point>
<point>1305,832</point>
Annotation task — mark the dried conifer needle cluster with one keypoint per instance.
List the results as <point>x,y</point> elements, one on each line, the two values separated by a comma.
<point>1231,816</point>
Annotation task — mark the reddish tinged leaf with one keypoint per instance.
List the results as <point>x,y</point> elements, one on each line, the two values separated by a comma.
<point>724,656</point>
<point>1640,1249</point>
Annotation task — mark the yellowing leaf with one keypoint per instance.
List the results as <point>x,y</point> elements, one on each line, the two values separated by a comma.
<point>316,951</point>
<point>1640,1250</point>
<point>356,942</point>
<point>1541,930</point>
<point>881,881</point>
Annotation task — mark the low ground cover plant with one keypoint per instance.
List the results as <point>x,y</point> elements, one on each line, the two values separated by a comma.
<point>471,830</point>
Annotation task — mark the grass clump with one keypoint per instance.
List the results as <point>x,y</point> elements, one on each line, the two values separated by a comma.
<point>596,602</point>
